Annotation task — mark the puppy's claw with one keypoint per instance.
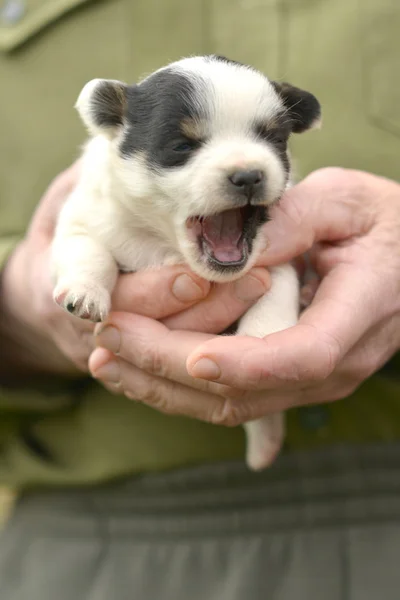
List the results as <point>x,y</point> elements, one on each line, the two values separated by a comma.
<point>83,300</point>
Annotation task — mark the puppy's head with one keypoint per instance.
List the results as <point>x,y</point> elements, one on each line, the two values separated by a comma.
<point>201,147</point>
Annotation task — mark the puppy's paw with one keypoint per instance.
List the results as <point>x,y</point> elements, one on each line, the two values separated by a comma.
<point>85,300</point>
<point>264,441</point>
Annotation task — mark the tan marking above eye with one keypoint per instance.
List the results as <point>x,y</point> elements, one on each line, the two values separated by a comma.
<point>194,129</point>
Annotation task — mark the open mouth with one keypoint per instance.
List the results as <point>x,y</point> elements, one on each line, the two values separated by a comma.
<point>225,239</point>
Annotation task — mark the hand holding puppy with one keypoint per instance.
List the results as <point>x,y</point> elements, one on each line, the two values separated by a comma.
<point>42,338</point>
<point>350,222</point>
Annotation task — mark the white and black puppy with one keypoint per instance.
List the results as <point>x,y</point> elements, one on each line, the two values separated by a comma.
<point>182,168</point>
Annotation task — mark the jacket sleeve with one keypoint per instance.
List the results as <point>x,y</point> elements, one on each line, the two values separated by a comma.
<point>44,397</point>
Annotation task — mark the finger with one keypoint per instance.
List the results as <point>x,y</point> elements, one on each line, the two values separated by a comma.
<point>158,293</point>
<point>372,351</point>
<point>224,305</point>
<point>342,311</point>
<point>175,398</point>
<point>308,291</point>
<point>329,205</point>
<point>152,347</point>
<point>74,343</point>
<point>160,393</point>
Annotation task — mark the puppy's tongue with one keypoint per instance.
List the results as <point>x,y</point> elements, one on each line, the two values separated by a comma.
<point>223,234</point>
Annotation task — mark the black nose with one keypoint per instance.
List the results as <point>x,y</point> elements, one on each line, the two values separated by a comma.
<point>247,182</point>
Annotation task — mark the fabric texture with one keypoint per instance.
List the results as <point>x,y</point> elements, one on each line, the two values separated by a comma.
<point>309,528</point>
<point>346,52</point>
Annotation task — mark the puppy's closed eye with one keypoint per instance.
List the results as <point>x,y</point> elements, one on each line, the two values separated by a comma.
<point>187,145</point>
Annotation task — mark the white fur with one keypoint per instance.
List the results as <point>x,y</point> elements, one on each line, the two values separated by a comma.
<point>274,312</point>
<point>121,216</point>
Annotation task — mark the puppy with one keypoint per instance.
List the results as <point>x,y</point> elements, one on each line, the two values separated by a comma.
<point>182,168</point>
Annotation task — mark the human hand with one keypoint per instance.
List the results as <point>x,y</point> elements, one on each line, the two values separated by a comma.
<point>39,337</point>
<point>350,223</point>
<point>44,338</point>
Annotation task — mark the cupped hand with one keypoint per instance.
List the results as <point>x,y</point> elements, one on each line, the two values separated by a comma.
<point>349,222</point>
<point>44,338</point>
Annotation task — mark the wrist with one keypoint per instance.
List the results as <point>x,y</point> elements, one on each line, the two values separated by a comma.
<point>26,346</point>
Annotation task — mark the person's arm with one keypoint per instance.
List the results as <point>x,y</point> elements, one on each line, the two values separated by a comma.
<point>7,246</point>
<point>25,351</point>
<point>351,223</point>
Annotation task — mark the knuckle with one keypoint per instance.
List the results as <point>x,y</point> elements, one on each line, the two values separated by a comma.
<point>153,393</point>
<point>236,394</point>
<point>325,358</point>
<point>217,319</point>
<point>149,359</point>
<point>227,413</point>
<point>154,355</point>
<point>256,374</point>
<point>321,370</point>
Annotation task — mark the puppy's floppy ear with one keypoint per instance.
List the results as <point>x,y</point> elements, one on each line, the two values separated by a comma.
<point>302,107</point>
<point>102,105</point>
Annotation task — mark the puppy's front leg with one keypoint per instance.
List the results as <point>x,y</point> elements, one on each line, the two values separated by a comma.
<point>85,274</point>
<point>275,311</point>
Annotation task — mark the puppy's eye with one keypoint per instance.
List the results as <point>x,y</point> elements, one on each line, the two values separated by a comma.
<point>187,146</point>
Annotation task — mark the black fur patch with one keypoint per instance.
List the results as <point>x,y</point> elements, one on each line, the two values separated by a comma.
<point>156,109</point>
<point>302,107</point>
<point>261,216</point>
<point>277,135</point>
<point>108,104</point>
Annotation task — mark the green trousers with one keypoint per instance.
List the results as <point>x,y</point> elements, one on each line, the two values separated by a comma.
<point>318,526</point>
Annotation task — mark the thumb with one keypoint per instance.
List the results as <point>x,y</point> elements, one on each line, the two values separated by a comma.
<point>329,205</point>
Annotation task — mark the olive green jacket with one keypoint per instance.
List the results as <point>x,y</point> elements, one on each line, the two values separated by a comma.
<point>346,51</point>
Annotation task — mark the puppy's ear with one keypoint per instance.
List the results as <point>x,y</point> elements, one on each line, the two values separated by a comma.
<point>102,105</point>
<point>302,107</point>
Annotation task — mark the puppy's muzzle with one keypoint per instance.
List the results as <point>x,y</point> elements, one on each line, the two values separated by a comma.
<point>247,185</point>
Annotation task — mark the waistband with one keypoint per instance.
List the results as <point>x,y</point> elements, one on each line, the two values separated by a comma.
<point>341,485</point>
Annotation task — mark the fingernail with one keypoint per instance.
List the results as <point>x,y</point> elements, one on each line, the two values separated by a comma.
<point>109,372</point>
<point>249,288</point>
<point>186,290</point>
<point>206,369</point>
<point>109,338</point>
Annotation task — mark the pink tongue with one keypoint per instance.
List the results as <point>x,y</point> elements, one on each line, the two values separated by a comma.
<point>222,233</point>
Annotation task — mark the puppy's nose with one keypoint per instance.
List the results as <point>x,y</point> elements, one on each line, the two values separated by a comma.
<point>247,182</point>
